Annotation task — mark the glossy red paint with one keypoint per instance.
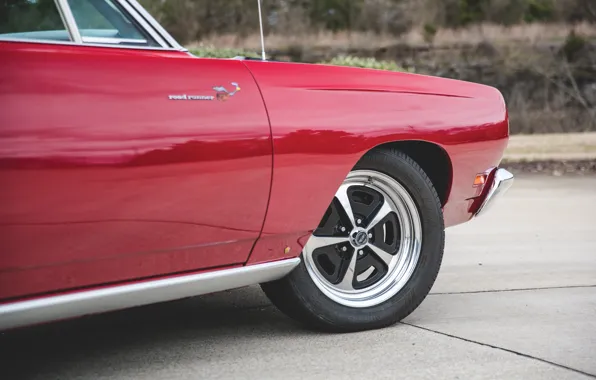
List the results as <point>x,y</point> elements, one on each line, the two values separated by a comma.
<point>325,118</point>
<point>105,179</point>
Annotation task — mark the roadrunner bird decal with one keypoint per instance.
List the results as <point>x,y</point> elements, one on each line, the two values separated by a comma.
<point>222,94</point>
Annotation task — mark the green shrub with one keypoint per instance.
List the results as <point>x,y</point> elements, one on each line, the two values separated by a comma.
<point>367,63</point>
<point>430,31</point>
<point>471,11</point>
<point>206,51</point>
<point>573,46</point>
<point>539,10</point>
<point>504,11</point>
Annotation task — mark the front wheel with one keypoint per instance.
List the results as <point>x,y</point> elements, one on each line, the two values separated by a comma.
<point>375,254</point>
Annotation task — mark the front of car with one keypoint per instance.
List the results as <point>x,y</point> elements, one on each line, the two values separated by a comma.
<point>466,122</point>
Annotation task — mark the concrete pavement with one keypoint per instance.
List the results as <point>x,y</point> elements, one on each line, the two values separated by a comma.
<point>515,299</point>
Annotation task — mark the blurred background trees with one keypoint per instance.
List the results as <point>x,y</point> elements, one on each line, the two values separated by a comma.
<point>191,20</point>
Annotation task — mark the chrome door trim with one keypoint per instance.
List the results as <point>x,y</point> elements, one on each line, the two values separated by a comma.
<point>145,21</point>
<point>132,12</point>
<point>70,43</point>
<point>69,21</point>
<point>110,40</point>
<point>142,12</point>
<point>53,308</point>
<point>71,25</point>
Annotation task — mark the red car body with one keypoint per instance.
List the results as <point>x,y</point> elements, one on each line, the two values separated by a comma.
<point>105,179</point>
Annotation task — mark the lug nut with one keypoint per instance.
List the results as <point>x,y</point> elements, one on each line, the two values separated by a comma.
<point>370,235</point>
<point>359,221</point>
<point>344,249</point>
<point>361,253</point>
<point>343,229</point>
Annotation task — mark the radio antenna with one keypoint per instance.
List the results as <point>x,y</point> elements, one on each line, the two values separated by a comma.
<point>262,34</point>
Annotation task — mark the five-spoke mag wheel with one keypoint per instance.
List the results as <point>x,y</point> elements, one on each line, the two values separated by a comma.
<point>368,243</point>
<point>376,252</point>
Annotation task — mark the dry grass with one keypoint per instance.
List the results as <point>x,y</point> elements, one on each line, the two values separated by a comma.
<point>323,39</point>
<point>560,146</point>
<point>527,33</point>
<point>497,34</point>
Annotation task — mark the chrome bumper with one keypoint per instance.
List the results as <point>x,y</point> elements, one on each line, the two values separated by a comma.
<point>502,181</point>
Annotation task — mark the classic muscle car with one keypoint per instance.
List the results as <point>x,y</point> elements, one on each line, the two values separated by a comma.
<point>133,172</point>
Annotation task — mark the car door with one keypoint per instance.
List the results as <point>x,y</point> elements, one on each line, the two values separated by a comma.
<point>121,159</point>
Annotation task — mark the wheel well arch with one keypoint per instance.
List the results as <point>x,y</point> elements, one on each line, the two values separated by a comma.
<point>432,158</point>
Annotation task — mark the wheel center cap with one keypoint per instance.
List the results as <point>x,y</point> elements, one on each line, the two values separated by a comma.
<point>359,238</point>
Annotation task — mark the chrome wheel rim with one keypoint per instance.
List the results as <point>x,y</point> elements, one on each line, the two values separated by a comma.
<point>367,245</point>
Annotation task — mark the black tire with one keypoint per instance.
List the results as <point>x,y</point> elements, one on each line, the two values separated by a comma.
<point>297,296</point>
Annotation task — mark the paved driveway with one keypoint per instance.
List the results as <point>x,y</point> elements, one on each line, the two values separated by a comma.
<point>516,299</point>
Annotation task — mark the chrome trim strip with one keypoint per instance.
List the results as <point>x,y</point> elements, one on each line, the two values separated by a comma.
<point>47,309</point>
<point>57,4</point>
<point>502,181</point>
<point>110,40</point>
<point>69,20</point>
<point>154,24</point>
<point>70,43</point>
<point>132,12</point>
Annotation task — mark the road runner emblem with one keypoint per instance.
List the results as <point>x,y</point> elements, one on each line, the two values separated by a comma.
<point>221,94</point>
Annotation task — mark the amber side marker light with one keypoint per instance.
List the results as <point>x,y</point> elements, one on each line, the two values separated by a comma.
<point>480,179</point>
